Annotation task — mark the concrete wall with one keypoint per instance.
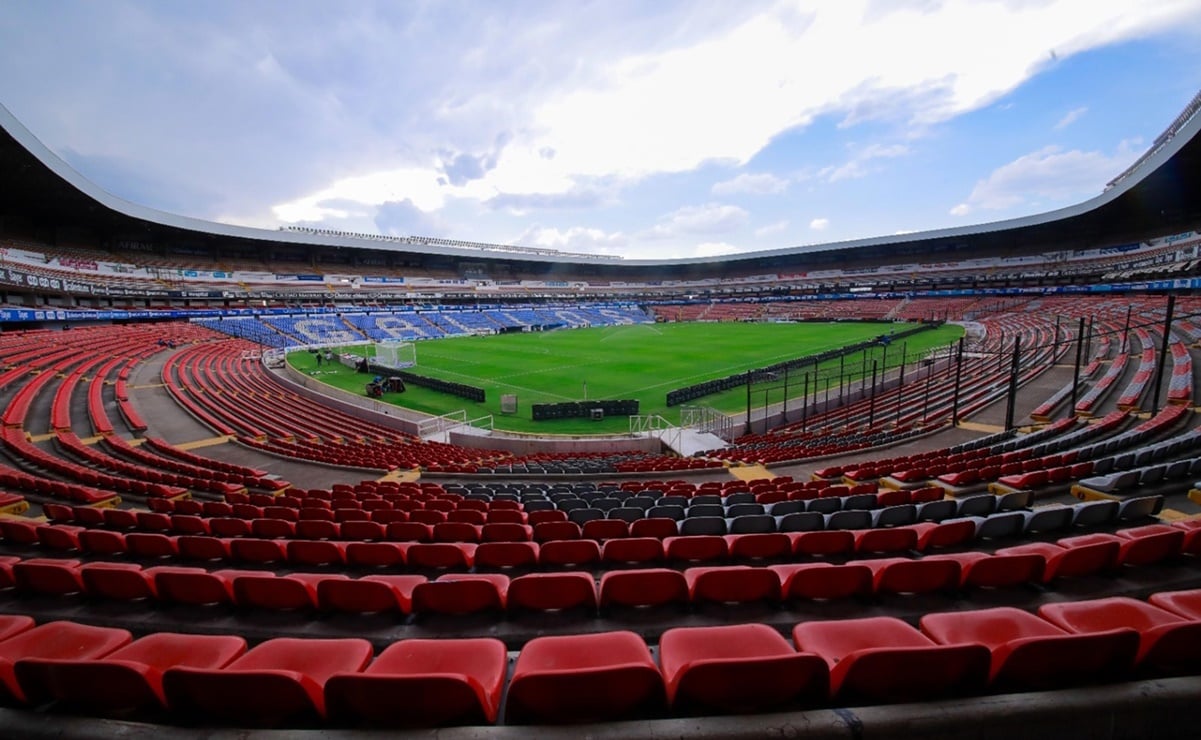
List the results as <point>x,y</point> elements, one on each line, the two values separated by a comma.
<point>362,407</point>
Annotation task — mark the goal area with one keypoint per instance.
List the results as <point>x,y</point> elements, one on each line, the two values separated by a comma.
<point>396,355</point>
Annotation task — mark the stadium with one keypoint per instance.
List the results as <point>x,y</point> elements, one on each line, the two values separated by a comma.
<point>941,483</point>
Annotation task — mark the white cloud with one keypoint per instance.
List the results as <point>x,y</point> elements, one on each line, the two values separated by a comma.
<point>574,239</point>
<point>819,224</point>
<point>1071,117</point>
<point>714,249</point>
<point>420,186</point>
<point>1048,177</point>
<point>763,183</point>
<point>711,218</point>
<point>723,96</point>
<point>772,228</point>
<point>857,165</point>
<point>323,115</point>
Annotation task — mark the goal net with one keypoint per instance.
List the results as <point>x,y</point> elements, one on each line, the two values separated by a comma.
<point>396,355</point>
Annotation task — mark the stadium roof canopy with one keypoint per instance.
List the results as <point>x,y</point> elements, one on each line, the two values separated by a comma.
<point>44,199</point>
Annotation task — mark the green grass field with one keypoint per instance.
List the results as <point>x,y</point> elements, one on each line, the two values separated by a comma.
<point>642,362</point>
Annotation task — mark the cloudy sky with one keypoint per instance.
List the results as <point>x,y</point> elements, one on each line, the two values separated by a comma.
<point>671,128</point>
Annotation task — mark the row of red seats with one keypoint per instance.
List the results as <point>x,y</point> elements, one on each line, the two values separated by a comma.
<point>1040,561</point>
<point>603,676</point>
<point>464,593</point>
<point>101,461</point>
<point>198,468</point>
<point>12,478</point>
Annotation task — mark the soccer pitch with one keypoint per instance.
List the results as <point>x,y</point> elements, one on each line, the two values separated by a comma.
<point>641,361</point>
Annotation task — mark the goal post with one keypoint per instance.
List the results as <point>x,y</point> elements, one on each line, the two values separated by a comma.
<point>396,354</point>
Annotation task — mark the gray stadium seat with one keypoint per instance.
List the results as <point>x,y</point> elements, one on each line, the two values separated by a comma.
<point>999,526</point>
<point>825,505</point>
<point>1139,507</point>
<point>780,508</point>
<point>804,521</point>
<point>666,512</point>
<point>859,501</point>
<point>1053,518</point>
<point>693,525</point>
<point>979,505</point>
<point>936,511</point>
<point>751,524</point>
<point>894,516</point>
<point>853,519</point>
<point>743,509</point>
<point>1094,513</point>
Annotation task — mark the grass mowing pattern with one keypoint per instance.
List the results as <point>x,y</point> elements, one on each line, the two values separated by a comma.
<point>618,362</point>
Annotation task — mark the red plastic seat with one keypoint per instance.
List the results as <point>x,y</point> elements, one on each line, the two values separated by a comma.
<point>19,532</point>
<point>759,545</point>
<point>50,641</point>
<point>823,543</point>
<point>552,592</point>
<point>48,576</point>
<point>130,678</point>
<point>269,591</point>
<point>506,531</point>
<point>643,588</point>
<point>202,547</point>
<point>281,681</point>
<point>228,526</point>
<point>1073,557</point>
<point>316,552</point>
<point>126,519</point>
<point>885,539</point>
<point>604,676</point>
<point>506,554</point>
<point>909,576</point>
<point>1169,644</point>
<point>1030,653</point>
<point>823,580</point>
<point>120,581</point>
<point>534,518</point>
<point>440,555</point>
<point>423,683</point>
<point>374,593</point>
<point>102,542</point>
<point>882,659</point>
<point>951,533</point>
<point>1149,544</point>
<point>732,584</point>
<point>506,516</point>
<point>461,593</point>
<point>14,624</point>
<point>981,570</point>
<point>605,529</point>
<point>374,554</point>
<point>696,548</point>
<point>272,529</point>
<point>410,531</point>
<point>60,537</point>
<point>257,550</point>
<point>1185,603</point>
<point>657,526</point>
<point>468,516</point>
<point>633,550</point>
<point>152,545</point>
<point>556,529</point>
<point>456,532</point>
<point>196,586</point>
<point>318,529</point>
<point>741,669</point>
<point>569,552</point>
